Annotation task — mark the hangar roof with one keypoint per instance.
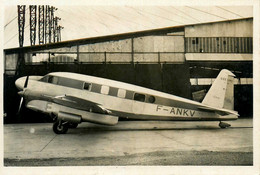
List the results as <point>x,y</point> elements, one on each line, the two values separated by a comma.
<point>159,31</point>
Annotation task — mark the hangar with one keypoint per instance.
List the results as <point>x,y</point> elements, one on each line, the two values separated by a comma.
<point>180,60</point>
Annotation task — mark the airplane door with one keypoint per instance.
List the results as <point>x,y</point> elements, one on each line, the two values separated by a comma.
<point>138,103</point>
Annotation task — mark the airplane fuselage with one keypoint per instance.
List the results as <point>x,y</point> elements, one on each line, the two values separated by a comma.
<point>122,99</point>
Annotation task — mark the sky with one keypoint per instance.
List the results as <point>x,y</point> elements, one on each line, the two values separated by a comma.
<point>90,21</point>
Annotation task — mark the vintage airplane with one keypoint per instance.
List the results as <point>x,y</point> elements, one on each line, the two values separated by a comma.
<point>72,98</point>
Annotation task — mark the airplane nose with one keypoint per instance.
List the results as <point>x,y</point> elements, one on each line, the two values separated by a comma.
<point>19,83</point>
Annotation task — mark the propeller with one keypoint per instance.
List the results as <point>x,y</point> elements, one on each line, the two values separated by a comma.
<point>21,93</point>
<point>26,82</point>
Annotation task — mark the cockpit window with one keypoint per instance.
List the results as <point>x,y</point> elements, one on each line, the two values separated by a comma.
<point>50,79</point>
<point>139,97</point>
<point>67,82</point>
<point>53,80</point>
<point>70,83</point>
<point>44,79</point>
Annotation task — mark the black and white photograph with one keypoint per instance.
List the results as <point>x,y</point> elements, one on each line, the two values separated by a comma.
<point>130,88</point>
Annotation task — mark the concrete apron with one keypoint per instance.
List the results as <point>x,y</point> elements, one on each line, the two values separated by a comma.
<point>37,141</point>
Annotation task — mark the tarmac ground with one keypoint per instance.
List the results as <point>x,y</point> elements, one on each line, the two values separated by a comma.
<point>130,143</point>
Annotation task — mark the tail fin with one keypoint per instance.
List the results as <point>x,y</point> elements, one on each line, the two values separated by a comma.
<point>221,93</point>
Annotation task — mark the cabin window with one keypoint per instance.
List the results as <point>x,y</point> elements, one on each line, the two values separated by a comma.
<point>104,90</point>
<point>113,91</point>
<point>96,88</point>
<point>121,93</point>
<point>139,97</point>
<point>151,99</point>
<point>87,86</point>
<point>129,95</point>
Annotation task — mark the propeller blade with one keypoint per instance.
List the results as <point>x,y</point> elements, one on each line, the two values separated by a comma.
<point>26,82</point>
<point>21,102</point>
<point>21,93</point>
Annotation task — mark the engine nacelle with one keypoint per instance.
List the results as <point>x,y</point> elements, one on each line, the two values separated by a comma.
<point>72,118</point>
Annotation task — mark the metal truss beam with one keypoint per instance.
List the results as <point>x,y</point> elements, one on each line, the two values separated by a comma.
<point>52,37</point>
<point>21,21</point>
<point>47,24</point>
<point>33,19</point>
<point>55,38</point>
<point>41,24</point>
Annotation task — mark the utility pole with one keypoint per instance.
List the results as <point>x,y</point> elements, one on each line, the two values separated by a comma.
<point>33,11</point>
<point>59,33</point>
<point>52,10</point>
<point>41,24</point>
<point>48,31</point>
<point>55,36</point>
<point>21,20</point>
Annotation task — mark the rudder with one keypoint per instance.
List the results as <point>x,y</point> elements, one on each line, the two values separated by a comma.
<point>221,93</point>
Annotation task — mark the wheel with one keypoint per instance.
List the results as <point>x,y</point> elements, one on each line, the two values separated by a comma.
<point>73,125</point>
<point>60,128</point>
<point>223,125</point>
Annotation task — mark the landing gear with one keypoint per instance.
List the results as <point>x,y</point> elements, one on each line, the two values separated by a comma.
<point>73,125</point>
<point>60,127</point>
<point>223,125</point>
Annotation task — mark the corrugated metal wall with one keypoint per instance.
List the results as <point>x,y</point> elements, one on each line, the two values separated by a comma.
<point>239,28</point>
<point>147,49</point>
<point>219,44</point>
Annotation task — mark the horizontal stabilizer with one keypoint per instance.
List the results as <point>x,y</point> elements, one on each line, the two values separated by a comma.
<point>219,111</point>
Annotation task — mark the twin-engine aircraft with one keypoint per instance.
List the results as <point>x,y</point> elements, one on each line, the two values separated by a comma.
<point>72,98</point>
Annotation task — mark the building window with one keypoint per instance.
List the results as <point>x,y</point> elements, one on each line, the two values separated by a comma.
<point>121,93</point>
<point>104,90</point>
<point>195,41</point>
<point>139,97</point>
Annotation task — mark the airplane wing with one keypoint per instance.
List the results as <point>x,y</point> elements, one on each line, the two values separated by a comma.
<point>70,114</point>
<point>79,103</point>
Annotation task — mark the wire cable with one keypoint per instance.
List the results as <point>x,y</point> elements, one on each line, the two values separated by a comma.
<point>14,18</point>
<point>206,12</point>
<point>178,22</point>
<point>15,35</point>
<point>229,11</point>
<point>184,17</point>
<point>187,14</point>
